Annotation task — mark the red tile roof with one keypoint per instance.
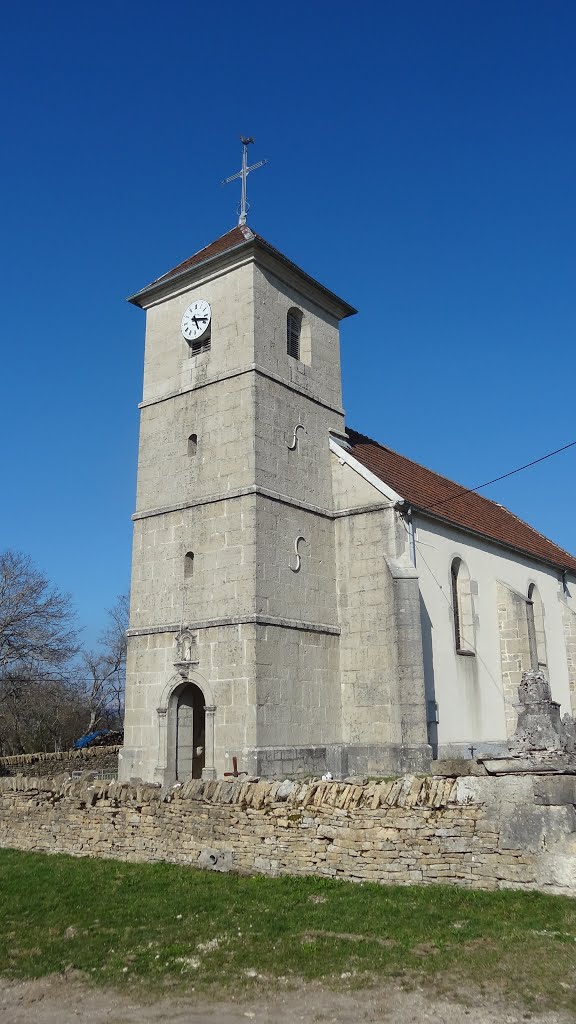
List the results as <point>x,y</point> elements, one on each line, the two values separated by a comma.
<point>427,492</point>
<point>235,239</point>
<point>237,236</point>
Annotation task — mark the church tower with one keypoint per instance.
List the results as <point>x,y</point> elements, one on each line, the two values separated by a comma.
<point>234,632</point>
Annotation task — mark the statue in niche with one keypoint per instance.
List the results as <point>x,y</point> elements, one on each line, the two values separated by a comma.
<point>186,654</point>
<point>186,648</point>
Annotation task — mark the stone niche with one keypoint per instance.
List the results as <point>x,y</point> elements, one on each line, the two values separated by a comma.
<point>186,652</point>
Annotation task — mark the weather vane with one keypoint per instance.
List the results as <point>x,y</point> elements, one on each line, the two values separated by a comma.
<point>243,174</point>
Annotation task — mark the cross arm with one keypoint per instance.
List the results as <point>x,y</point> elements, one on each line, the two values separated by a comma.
<point>254,167</point>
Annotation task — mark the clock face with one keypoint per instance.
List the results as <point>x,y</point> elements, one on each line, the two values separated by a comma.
<point>196,320</point>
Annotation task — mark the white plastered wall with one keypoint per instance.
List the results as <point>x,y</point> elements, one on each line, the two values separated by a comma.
<point>469,690</point>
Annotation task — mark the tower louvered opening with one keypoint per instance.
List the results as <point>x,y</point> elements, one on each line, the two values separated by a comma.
<point>293,331</point>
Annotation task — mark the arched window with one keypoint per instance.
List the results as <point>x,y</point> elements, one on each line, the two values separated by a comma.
<point>293,331</point>
<point>188,565</point>
<point>536,633</point>
<point>192,444</point>
<point>462,607</point>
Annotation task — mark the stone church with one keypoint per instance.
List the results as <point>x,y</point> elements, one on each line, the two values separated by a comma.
<point>304,599</point>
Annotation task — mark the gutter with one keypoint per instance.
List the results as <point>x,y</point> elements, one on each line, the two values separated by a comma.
<point>539,559</point>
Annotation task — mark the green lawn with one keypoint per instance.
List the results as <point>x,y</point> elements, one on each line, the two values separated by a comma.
<point>161,924</point>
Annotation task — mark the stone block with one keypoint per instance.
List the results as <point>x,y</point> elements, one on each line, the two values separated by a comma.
<point>555,790</point>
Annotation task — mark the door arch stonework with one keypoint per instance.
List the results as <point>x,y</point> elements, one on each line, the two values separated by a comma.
<point>186,731</point>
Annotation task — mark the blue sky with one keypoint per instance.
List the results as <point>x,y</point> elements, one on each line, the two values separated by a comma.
<point>422,164</point>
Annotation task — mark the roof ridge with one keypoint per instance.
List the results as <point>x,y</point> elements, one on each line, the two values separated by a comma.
<point>529,525</point>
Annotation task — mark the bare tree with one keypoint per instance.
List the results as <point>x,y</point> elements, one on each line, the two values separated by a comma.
<point>104,669</point>
<point>46,699</point>
<point>37,640</point>
<point>36,619</point>
<point>38,713</point>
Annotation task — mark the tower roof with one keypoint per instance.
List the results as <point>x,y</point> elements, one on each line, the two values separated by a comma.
<point>239,238</point>
<point>231,240</point>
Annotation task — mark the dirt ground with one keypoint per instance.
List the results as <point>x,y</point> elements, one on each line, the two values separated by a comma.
<point>60,1000</point>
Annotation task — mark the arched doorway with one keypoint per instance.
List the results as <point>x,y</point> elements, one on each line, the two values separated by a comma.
<point>189,732</point>
<point>186,717</point>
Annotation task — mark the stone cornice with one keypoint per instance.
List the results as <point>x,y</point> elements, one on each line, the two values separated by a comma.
<point>167,288</point>
<point>265,492</point>
<point>229,374</point>
<point>362,510</point>
<point>239,620</point>
<point>254,249</point>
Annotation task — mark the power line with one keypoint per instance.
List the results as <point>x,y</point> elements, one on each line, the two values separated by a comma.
<point>472,490</point>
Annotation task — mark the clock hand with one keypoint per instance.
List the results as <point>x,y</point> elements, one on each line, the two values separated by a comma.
<point>197,319</point>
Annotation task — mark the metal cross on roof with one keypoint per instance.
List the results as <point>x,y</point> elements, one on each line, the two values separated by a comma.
<point>243,174</point>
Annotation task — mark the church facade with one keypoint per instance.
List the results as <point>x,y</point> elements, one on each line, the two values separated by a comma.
<point>303,599</point>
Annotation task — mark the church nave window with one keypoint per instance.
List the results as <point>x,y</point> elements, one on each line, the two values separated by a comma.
<point>293,331</point>
<point>192,445</point>
<point>462,607</point>
<point>188,565</point>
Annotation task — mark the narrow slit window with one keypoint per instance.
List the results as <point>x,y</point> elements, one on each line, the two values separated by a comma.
<point>189,565</point>
<point>462,607</point>
<point>456,603</point>
<point>192,445</point>
<point>293,331</point>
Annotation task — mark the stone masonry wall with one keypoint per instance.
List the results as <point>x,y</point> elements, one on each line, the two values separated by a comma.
<point>514,648</point>
<point>45,765</point>
<point>381,664</point>
<point>479,832</point>
<point>569,623</point>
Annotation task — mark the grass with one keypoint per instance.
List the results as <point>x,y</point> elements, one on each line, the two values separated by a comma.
<point>159,924</point>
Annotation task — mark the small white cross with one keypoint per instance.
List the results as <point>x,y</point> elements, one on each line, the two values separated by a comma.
<point>243,173</point>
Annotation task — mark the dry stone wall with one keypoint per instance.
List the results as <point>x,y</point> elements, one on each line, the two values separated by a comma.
<point>478,832</point>
<point>46,765</point>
